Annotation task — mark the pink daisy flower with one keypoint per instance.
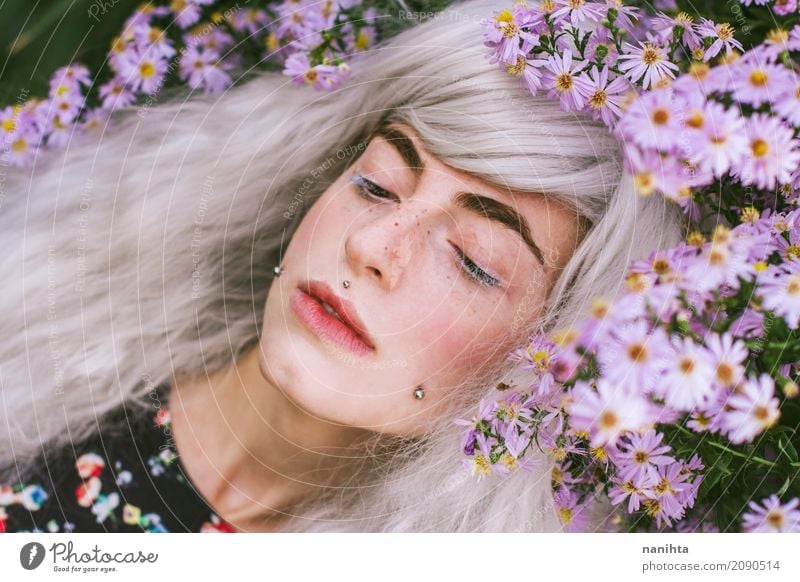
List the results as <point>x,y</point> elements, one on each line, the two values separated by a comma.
<point>607,412</point>
<point>756,82</point>
<point>771,516</point>
<point>648,61</point>
<point>654,120</point>
<point>728,356</point>
<point>640,455</point>
<point>688,378</point>
<point>203,69</point>
<point>779,289</point>
<point>719,138</point>
<point>751,410</point>
<point>722,35</point>
<point>563,80</point>
<point>773,154</point>
<point>580,10</point>
<point>605,98</point>
<point>505,29</point>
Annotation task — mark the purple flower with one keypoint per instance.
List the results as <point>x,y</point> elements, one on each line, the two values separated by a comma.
<point>665,503</point>
<point>115,94</point>
<point>504,31</point>
<point>202,68</point>
<point>634,490</point>
<point>752,409</point>
<point>665,25</point>
<point>73,76</point>
<point>688,378</point>
<point>772,516</point>
<point>579,11</point>
<point>653,173</point>
<point>605,98</point>
<point>788,105</point>
<point>757,82</point>
<point>648,60</point>
<point>773,155</point>
<point>722,35</point>
<point>779,288</point>
<point>601,41</point>
<point>719,138</point>
<point>571,513</point>
<point>564,82</point>
<point>142,71</point>
<point>635,356</point>
<point>640,454</point>
<point>186,12</point>
<point>154,40</point>
<point>728,356</point>
<point>607,412</point>
<point>253,20</point>
<point>654,120</point>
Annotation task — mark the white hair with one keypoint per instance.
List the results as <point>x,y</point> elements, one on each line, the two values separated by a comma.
<point>147,253</point>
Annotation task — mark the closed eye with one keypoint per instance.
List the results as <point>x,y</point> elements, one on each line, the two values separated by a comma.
<point>371,191</point>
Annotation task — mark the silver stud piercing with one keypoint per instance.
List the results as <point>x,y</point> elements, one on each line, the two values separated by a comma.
<point>419,393</point>
<point>277,270</point>
<point>346,283</point>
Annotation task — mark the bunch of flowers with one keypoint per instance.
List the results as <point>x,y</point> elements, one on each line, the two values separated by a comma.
<point>677,401</point>
<point>197,42</point>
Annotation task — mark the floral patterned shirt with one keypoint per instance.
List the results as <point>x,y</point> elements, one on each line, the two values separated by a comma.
<point>127,478</point>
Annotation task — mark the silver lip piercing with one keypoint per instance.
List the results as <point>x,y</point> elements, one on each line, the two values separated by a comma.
<point>419,393</point>
<point>346,283</point>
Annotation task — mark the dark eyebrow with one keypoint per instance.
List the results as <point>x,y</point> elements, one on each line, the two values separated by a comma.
<point>502,213</point>
<point>403,144</point>
<point>482,205</point>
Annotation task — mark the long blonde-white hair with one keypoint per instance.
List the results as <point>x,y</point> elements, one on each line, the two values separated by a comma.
<point>147,253</point>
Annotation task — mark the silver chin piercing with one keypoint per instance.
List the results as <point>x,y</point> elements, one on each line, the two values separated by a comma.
<point>419,393</point>
<point>277,270</point>
<point>345,283</point>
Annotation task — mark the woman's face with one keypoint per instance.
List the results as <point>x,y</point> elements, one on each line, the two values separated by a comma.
<point>439,275</point>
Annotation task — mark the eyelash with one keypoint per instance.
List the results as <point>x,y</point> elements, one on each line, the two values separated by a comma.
<point>370,191</point>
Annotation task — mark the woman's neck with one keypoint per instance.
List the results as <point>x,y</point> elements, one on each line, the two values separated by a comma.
<point>248,449</point>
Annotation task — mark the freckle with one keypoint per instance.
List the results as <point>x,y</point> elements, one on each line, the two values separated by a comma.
<point>397,224</point>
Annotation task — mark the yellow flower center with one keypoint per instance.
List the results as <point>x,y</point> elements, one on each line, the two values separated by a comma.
<point>725,373</point>
<point>750,214</point>
<point>608,420</point>
<point>758,78</point>
<point>20,145</point>
<point>775,519</point>
<point>695,120</point>
<point>759,147</point>
<point>644,183</point>
<point>650,54</point>
<point>564,82</point>
<point>598,99</point>
<point>725,31</point>
<point>147,70</point>
<point>660,116</point>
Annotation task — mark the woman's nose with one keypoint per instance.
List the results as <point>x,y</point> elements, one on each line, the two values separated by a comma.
<point>382,246</point>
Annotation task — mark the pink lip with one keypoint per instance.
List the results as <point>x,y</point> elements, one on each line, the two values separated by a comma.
<point>349,333</point>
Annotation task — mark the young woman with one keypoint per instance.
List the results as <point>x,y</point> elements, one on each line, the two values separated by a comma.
<point>262,312</point>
